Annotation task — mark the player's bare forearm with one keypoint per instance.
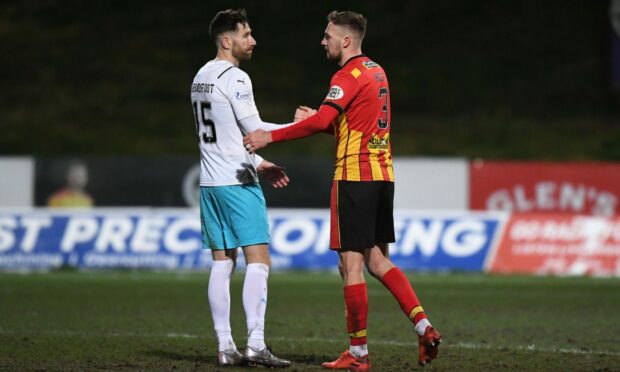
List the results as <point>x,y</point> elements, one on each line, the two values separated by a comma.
<point>257,140</point>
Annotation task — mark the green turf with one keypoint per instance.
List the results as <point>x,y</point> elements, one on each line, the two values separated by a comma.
<point>160,321</point>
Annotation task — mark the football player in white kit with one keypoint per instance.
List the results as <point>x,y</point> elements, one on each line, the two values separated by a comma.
<point>232,206</point>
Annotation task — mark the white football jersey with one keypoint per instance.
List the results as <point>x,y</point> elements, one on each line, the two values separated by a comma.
<point>221,97</point>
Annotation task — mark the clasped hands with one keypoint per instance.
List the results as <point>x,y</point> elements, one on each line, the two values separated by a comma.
<point>260,139</point>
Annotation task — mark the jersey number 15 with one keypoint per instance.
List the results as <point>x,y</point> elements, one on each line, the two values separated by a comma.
<point>205,127</point>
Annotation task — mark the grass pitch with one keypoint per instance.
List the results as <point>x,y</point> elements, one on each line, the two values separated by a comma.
<point>160,321</point>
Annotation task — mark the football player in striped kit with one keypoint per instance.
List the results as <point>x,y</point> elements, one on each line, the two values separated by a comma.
<point>357,111</point>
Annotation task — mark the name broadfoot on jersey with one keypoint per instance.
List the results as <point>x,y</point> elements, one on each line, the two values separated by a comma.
<point>221,97</point>
<point>202,88</point>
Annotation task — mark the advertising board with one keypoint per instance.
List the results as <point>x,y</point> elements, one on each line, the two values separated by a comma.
<point>170,239</point>
<point>581,188</point>
<point>558,244</point>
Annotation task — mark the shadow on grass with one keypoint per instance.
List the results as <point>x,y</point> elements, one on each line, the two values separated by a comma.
<point>188,357</point>
<point>310,360</point>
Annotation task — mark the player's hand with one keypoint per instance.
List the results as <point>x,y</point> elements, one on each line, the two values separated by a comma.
<point>303,112</point>
<point>273,174</point>
<point>256,140</point>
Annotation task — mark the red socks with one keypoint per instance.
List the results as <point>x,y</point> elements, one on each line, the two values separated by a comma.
<point>356,306</point>
<point>396,281</point>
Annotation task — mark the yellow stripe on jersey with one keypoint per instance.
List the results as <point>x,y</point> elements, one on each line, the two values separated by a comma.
<point>353,161</point>
<point>415,311</point>
<point>355,72</point>
<point>388,164</point>
<point>375,167</point>
<point>343,133</point>
<point>358,334</point>
<point>378,157</point>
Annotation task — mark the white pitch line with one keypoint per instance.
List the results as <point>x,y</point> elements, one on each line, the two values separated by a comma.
<point>462,345</point>
<point>181,335</point>
<point>457,345</point>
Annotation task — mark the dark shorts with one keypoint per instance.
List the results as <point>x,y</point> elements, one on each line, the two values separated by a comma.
<point>362,214</point>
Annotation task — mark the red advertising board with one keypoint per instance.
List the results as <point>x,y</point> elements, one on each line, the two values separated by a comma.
<point>582,188</point>
<point>563,244</point>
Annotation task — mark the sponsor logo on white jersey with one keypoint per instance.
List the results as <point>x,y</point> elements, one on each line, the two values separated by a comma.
<point>243,96</point>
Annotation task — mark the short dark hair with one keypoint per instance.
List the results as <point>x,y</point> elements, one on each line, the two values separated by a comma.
<point>352,20</point>
<point>227,20</point>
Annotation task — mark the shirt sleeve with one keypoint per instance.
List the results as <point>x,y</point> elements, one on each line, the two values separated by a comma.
<point>319,122</point>
<point>254,122</point>
<point>257,159</point>
<point>240,94</point>
<point>343,88</point>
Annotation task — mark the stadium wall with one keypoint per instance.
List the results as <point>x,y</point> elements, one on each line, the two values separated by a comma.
<point>423,183</point>
<point>589,188</point>
<point>431,183</point>
<point>16,181</point>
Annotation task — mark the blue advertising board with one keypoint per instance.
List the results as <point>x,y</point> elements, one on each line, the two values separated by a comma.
<point>170,239</point>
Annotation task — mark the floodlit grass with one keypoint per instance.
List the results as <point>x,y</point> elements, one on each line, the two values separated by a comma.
<point>161,321</point>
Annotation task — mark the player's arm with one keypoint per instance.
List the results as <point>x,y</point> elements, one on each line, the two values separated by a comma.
<point>304,112</point>
<point>344,87</point>
<point>254,122</point>
<point>256,160</point>
<point>274,174</point>
<point>319,122</point>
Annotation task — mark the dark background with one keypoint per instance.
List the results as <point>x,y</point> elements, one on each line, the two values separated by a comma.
<point>493,79</point>
<point>112,181</point>
<point>159,181</point>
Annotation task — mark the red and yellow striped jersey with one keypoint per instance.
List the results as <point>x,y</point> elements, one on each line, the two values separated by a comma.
<point>357,111</point>
<point>360,93</point>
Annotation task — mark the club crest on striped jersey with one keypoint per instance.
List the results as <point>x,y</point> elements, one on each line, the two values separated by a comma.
<point>335,92</point>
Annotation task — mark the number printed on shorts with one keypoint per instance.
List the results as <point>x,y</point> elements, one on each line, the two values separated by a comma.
<point>205,127</point>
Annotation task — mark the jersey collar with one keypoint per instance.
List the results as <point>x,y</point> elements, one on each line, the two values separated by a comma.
<point>352,58</point>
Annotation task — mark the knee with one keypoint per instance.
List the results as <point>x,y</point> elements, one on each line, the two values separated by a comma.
<point>257,254</point>
<point>350,268</point>
<point>373,270</point>
<point>378,266</point>
<point>266,260</point>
